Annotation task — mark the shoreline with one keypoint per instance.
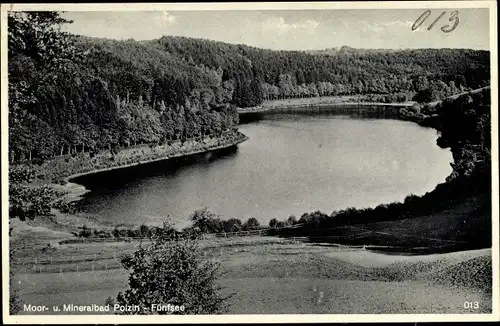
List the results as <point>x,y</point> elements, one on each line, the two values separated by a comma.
<point>394,111</point>
<point>415,224</point>
<point>397,110</point>
<point>292,107</point>
<point>74,190</point>
<point>177,155</point>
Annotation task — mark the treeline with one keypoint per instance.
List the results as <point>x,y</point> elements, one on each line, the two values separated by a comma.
<point>204,221</point>
<point>285,74</point>
<point>445,195</point>
<point>143,231</point>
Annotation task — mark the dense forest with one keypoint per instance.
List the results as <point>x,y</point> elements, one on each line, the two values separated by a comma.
<point>71,93</point>
<point>285,74</point>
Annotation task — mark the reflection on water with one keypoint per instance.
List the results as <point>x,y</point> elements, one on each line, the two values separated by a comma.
<point>290,165</point>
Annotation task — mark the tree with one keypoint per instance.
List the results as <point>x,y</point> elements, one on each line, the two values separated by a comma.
<point>424,96</point>
<point>280,224</point>
<point>86,94</point>
<point>205,221</point>
<point>232,225</point>
<point>273,222</point>
<point>171,270</point>
<point>27,201</point>
<point>256,88</point>
<point>292,220</point>
<point>251,224</point>
<point>38,35</point>
<point>38,51</point>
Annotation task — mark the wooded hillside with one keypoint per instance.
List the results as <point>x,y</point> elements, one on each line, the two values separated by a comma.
<point>71,94</point>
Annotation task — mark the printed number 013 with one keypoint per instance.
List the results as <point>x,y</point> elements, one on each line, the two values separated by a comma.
<point>471,305</point>
<point>446,29</point>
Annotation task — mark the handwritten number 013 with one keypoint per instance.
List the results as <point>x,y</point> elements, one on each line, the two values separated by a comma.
<point>446,29</point>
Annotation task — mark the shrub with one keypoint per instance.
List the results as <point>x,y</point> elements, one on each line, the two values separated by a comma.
<point>273,223</point>
<point>206,221</point>
<point>21,173</point>
<point>28,201</point>
<point>251,224</point>
<point>232,225</point>
<point>85,232</point>
<point>415,108</point>
<point>291,220</point>
<point>172,271</point>
<point>64,206</point>
<point>110,301</point>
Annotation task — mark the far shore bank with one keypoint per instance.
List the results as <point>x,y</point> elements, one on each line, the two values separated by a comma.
<point>408,110</point>
<point>63,172</point>
<point>289,105</point>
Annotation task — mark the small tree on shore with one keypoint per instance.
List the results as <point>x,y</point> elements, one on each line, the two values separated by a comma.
<point>273,223</point>
<point>206,221</point>
<point>291,220</point>
<point>171,270</point>
<point>251,224</point>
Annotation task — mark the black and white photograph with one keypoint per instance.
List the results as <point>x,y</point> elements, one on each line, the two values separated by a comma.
<point>251,162</point>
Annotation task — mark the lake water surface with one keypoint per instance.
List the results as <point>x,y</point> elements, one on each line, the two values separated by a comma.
<point>290,165</point>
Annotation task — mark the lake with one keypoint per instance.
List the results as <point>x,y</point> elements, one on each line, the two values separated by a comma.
<point>291,164</point>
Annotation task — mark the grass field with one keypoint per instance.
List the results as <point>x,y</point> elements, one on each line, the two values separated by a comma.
<point>269,276</point>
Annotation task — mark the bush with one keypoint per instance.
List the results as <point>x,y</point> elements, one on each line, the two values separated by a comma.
<point>110,301</point>
<point>206,221</point>
<point>251,224</point>
<point>291,220</point>
<point>172,272</point>
<point>273,223</point>
<point>415,108</point>
<point>131,233</point>
<point>232,225</point>
<point>280,224</point>
<point>145,231</point>
<point>65,207</point>
<point>27,202</point>
<point>21,173</point>
<point>85,232</point>
<point>102,233</point>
